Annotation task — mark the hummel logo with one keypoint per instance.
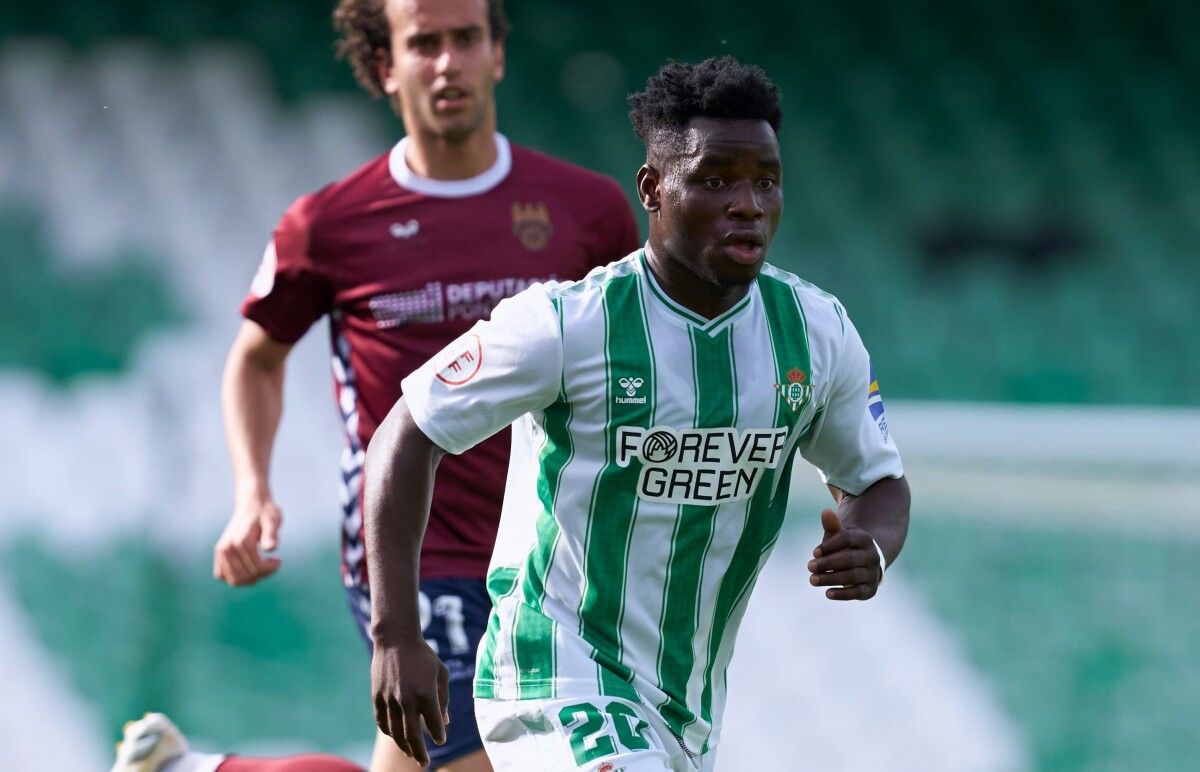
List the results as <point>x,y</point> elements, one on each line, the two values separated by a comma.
<point>405,230</point>
<point>631,386</point>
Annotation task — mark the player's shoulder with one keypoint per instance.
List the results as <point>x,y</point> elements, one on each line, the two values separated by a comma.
<point>822,310</point>
<point>546,171</point>
<point>340,197</point>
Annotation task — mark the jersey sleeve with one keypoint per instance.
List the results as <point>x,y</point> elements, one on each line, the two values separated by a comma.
<point>615,233</point>
<point>498,371</point>
<point>289,292</point>
<point>851,444</point>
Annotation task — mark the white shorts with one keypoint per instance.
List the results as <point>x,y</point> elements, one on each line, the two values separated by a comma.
<point>595,734</point>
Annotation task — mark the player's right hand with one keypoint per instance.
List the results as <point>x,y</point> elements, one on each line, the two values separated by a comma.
<point>254,524</point>
<point>409,684</point>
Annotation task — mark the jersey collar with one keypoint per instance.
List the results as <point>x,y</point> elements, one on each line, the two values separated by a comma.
<point>472,186</point>
<point>685,316</point>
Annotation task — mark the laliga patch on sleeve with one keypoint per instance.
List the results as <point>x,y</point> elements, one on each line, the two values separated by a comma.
<point>875,404</point>
<point>264,278</point>
<point>462,360</point>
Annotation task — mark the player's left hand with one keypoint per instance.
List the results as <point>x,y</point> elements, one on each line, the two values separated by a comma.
<point>410,686</point>
<point>845,561</point>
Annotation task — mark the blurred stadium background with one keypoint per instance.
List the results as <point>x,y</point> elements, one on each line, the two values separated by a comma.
<point>1005,194</point>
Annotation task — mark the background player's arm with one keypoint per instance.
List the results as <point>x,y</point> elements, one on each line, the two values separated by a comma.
<point>408,681</point>
<point>846,560</point>
<point>252,404</point>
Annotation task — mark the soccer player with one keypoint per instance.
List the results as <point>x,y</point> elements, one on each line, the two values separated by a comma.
<point>659,405</point>
<point>403,255</point>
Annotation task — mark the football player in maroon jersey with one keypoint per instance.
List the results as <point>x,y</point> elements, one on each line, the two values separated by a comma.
<point>403,255</point>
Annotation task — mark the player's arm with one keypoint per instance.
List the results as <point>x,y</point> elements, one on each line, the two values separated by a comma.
<point>480,383</point>
<point>847,560</point>
<point>852,446</point>
<point>251,403</point>
<point>408,681</point>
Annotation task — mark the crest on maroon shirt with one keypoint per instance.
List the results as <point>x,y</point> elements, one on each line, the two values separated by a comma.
<point>531,225</point>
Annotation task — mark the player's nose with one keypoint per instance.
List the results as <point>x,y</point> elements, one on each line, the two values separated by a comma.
<point>447,62</point>
<point>744,203</point>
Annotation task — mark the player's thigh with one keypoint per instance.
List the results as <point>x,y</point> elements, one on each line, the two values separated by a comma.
<point>387,757</point>
<point>594,734</point>
<point>472,762</point>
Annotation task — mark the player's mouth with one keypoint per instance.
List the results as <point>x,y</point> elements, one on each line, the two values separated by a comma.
<point>744,246</point>
<point>450,98</point>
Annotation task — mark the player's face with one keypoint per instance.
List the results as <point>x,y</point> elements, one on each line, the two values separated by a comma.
<point>444,67</point>
<point>720,199</point>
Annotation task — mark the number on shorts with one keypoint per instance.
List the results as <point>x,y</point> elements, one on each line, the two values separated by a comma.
<point>631,729</point>
<point>587,725</point>
<point>449,608</point>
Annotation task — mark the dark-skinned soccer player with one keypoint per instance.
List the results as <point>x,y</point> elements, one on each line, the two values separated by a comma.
<point>658,406</point>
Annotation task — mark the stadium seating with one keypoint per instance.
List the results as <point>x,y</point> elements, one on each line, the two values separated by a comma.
<point>891,128</point>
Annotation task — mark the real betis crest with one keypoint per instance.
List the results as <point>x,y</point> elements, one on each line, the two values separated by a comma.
<point>795,392</point>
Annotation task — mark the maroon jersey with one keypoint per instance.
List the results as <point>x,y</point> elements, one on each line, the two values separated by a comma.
<point>403,265</point>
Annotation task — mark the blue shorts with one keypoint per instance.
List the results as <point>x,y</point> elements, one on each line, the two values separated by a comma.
<point>454,615</point>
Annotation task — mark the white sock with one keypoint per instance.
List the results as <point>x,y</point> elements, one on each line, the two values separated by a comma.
<point>194,762</point>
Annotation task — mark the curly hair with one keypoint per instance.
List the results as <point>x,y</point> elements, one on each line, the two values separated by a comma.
<point>363,32</point>
<point>718,87</point>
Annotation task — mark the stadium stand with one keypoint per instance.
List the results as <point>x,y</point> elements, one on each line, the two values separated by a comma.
<point>1071,116</point>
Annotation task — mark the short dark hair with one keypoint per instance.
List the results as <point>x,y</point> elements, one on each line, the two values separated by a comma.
<point>718,87</point>
<point>363,31</point>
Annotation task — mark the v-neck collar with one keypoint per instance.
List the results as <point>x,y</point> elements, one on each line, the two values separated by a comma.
<point>686,316</point>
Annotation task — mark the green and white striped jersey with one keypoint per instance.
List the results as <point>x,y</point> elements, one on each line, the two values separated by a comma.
<point>649,473</point>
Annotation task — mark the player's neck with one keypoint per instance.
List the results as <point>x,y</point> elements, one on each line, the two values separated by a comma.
<point>437,158</point>
<point>688,289</point>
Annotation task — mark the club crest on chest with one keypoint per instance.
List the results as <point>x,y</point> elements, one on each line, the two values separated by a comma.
<point>531,225</point>
<point>795,392</point>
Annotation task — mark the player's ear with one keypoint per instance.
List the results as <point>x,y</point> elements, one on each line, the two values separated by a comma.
<point>498,49</point>
<point>382,62</point>
<point>648,179</point>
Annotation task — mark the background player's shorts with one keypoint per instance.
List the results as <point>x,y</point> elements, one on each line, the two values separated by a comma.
<point>595,734</point>
<point>454,614</point>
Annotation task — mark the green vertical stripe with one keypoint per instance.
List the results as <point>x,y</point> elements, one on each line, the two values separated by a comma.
<point>712,368</point>
<point>533,651</point>
<point>789,343</point>
<point>500,582</point>
<point>533,631</point>
<point>614,497</point>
